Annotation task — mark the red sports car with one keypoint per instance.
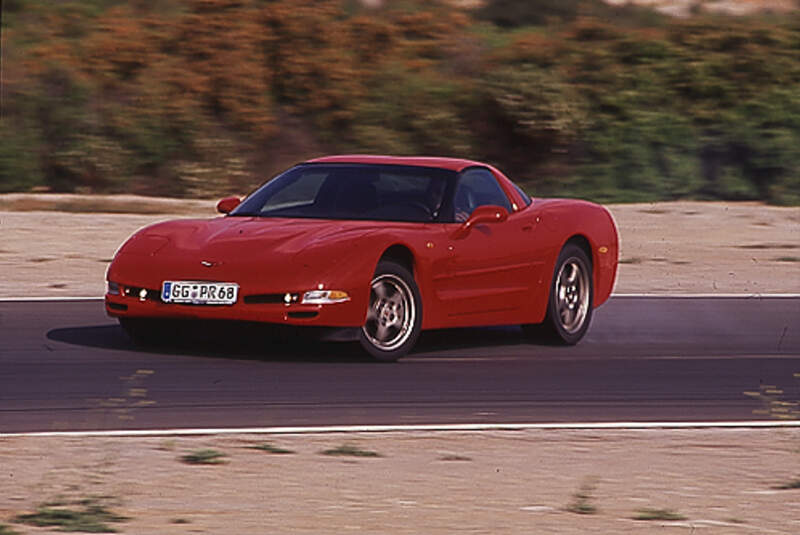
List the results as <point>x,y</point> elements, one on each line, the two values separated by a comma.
<point>387,245</point>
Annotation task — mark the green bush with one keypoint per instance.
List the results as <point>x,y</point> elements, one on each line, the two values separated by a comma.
<point>20,164</point>
<point>571,98</point>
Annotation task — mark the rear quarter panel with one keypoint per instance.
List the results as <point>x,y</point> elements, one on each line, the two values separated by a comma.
<point>557,222</point>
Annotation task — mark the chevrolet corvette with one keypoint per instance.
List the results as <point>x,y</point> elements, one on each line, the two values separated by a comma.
<point>383,246</point>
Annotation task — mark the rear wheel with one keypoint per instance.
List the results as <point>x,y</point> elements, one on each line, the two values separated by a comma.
<point>394,316</point>
<point>569,307</point>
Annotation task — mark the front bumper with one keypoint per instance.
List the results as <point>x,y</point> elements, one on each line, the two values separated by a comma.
<point>137,302</point>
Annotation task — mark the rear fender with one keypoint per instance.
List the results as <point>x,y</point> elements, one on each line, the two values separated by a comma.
<point>564,220</point>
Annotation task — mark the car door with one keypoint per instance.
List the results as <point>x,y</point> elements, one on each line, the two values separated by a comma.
<point>488,273</point>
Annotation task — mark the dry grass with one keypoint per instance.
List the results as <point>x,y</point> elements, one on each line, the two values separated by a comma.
<point>348,450</point>
<point>658,514</point>
<point>791,485</point>
<point>767,246</point>
<point>582,500</point>
<point>269,448</point>
<point>455,457</point>
<point>204,457</point>
<point>90,516</point>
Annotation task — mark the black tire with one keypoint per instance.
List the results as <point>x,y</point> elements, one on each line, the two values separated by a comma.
<point>394,314</point>
<point>571,299</point>
<point>143,332</point>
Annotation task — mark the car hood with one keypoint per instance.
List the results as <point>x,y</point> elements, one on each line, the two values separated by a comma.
<point>230,237</point>
<point>249,250</point>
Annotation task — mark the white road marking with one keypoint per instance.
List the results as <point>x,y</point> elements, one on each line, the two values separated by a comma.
<point>748,424</point>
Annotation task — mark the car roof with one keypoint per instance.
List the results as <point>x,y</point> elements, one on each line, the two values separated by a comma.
<point>453,164</point>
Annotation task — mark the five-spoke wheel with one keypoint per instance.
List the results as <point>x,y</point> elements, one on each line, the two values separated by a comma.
<point>572,295</point>
<point>569,308</point>
<point>394,316</point>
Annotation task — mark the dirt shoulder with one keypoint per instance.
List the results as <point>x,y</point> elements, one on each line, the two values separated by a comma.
<point>704,247</point>
<point>60,245</point>
<point>721,481</point>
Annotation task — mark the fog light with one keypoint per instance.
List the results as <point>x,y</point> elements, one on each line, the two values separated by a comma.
<point>324,297</point>
<point>112,288</point>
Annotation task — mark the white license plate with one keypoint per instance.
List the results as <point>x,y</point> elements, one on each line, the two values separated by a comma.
<point>199,293</point>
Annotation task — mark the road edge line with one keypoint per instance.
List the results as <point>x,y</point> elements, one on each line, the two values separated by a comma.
<point>754,424</point>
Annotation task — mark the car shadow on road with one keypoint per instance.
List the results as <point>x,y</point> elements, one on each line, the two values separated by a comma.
<point>233,341</point>
<point>250,341</point>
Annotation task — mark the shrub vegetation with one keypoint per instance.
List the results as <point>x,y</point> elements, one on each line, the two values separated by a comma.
<point>573,98</point>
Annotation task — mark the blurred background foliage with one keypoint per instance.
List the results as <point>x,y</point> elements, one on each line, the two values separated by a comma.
<point>569,97</point>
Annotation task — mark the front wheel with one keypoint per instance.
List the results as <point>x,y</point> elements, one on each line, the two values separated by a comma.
<point>569,308</point>
<point>394,316</point>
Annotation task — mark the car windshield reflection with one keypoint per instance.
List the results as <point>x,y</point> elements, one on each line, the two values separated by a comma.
<point>353,191</point>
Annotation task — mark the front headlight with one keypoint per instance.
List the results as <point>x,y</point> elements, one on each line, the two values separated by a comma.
<point>112,288</point>
<point>324,297</point>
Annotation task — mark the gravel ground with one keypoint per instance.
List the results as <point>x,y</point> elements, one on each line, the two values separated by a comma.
<point>509,482</point>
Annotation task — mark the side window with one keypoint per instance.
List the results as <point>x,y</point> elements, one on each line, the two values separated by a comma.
<point>477,187</point>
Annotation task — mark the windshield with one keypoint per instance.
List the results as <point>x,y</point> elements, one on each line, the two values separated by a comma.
<point>352,191</point>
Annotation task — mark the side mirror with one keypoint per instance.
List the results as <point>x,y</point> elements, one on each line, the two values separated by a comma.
<point>488,213</point>
<point>226,205</point>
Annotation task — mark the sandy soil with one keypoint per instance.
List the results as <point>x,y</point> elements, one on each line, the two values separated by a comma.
<point>691,247</point>
<point>681,247</point>
<point>722,481</point>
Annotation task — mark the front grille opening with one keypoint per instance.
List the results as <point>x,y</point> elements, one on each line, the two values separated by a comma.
<point>264,299</point>
<point>303,314</point>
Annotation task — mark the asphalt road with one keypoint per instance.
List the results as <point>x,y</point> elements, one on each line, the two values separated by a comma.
<point>66,366</point>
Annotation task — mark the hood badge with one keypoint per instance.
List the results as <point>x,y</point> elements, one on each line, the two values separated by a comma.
<point>206,263</point>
